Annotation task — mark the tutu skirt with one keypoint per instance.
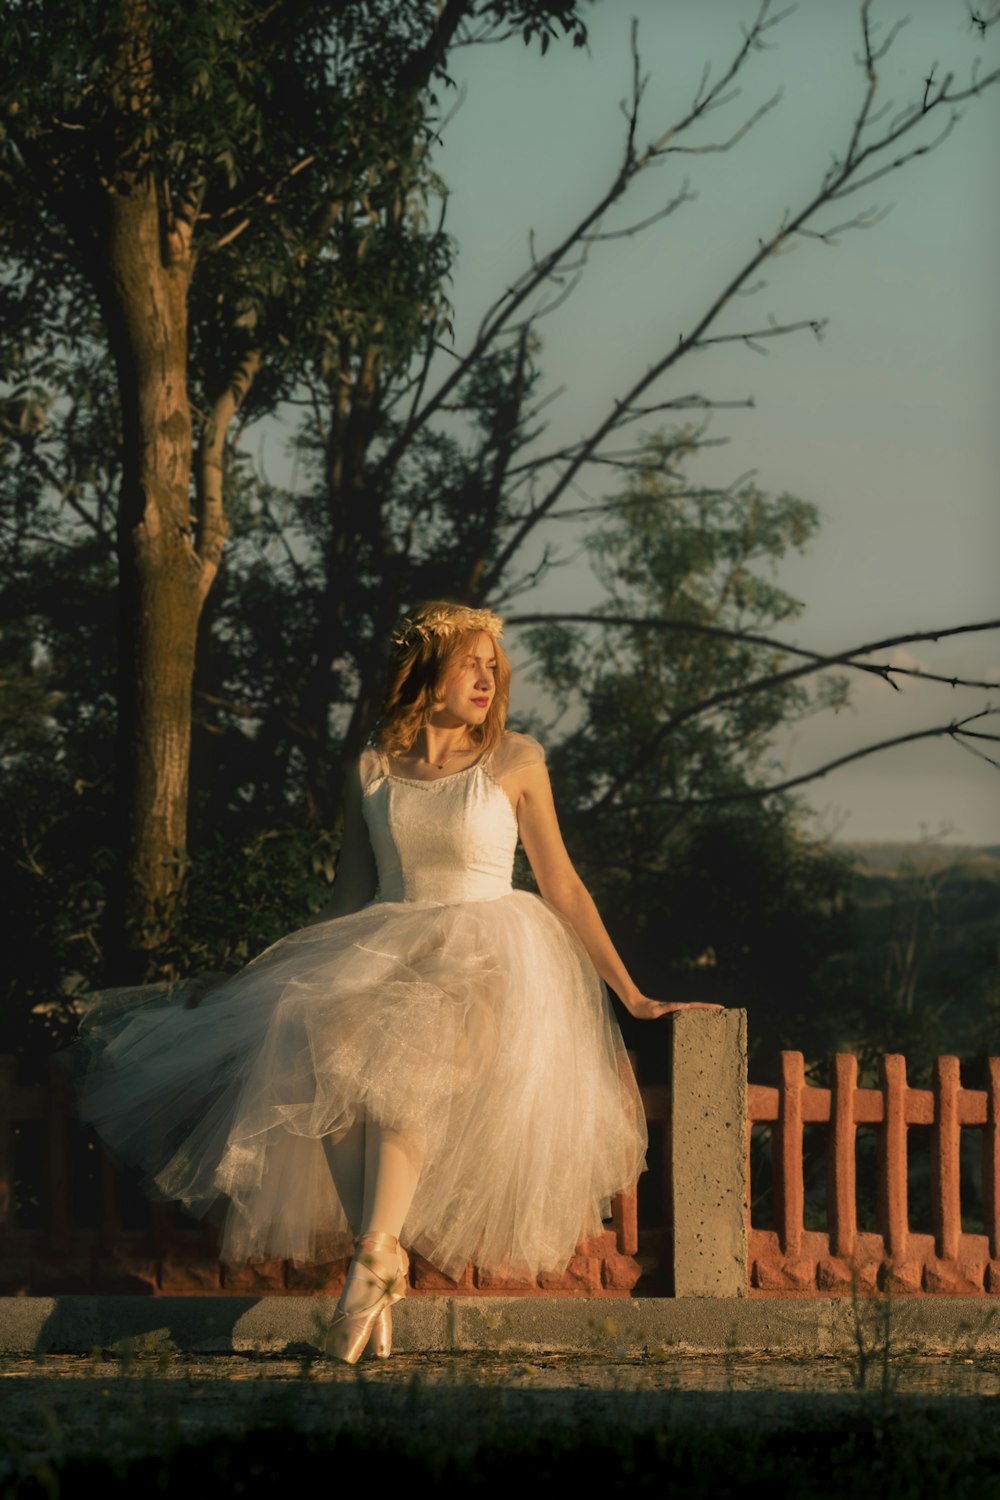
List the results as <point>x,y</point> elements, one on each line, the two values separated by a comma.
<point>479,1029</point>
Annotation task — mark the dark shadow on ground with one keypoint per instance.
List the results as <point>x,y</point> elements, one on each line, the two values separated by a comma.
<point>146,1324</point>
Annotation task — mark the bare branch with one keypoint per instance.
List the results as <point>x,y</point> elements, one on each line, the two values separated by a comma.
<point>547,307</point>
<point>814,662</point>
<point>955,730</point>
<point>229,706</point>
<point>662,151</point>
<point>982,22</point>
<point>839,180</point>
<point>459,104</point>
<point>866,219</point>
<point>662,213</point>
<point>973,750</point>
<point>773,331</point>
<point>500,316</point>
<point>818,659</point>
<point>689,403</point>
<point>628,415</point>
<point>18,534</point>
<point>432,344</point>
<point>899,161</point>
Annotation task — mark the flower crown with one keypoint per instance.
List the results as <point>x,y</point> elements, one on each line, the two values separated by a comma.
<point>456,619</point>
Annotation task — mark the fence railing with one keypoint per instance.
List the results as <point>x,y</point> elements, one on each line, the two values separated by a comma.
<point>720,1151</point>
<point>71,1220</point>
<point>791,1258</point>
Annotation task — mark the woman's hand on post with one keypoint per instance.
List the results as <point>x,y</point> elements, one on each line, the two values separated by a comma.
<point>645,1009</point>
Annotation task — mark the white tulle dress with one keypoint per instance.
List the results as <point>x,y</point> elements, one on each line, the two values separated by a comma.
<point>452,1007</point>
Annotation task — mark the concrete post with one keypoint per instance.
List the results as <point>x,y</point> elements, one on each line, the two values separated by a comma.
<point>708,1152</point>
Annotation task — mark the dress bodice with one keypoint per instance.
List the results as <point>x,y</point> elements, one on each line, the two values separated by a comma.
<point>448,840</point>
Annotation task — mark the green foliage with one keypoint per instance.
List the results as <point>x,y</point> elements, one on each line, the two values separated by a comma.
<point>312,581</point>
<point>919,970</point>
<point>293,150</point>
<point>288,150</point>
<point>643,753</point>
<point>290,142</point>
<point>694,558</point>
<point>56,856</point>
<point>245,893</point>
<point>271,166</point>
<point>242,892</point>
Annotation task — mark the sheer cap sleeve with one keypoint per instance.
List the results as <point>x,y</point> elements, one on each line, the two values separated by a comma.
<point>514,753</point>
<point>370,767</point>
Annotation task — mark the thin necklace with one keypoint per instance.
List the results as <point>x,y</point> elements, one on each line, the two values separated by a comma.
<point>459,750</point>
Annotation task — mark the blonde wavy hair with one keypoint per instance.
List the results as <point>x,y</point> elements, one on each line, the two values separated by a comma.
<point>424,648</point>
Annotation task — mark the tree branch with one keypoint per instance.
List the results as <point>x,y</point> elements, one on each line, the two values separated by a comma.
<point>815,662</point>
<point>954,730</point>
<point>213,527</point>
<point>501,314</point>
<point>837,182</point>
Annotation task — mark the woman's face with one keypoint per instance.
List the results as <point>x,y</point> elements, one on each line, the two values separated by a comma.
<point>467,688</point>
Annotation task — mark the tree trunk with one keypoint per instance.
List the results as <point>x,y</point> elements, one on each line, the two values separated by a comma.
<point>161,588</point>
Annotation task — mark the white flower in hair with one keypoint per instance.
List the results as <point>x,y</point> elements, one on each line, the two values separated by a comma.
<point>448,620</point>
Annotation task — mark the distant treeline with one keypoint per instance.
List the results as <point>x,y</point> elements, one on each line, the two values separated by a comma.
<point>903,857</point>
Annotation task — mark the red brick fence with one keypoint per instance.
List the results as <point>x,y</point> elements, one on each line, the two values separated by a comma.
<point>791,1259</point>
<point>70,1221</point>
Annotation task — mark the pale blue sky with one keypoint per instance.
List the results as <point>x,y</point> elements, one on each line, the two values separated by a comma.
<point>889,425</point>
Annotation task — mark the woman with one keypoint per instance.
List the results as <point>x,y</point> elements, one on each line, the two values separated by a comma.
<point>438,1063</point>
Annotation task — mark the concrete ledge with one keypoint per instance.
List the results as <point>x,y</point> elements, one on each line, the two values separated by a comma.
<point>608,1327</point>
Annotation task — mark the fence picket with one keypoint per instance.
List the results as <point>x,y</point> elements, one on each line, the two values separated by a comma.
<point>946,1204</point>
<point>841,1161</point>
<point>892,1186</point>
<point>789,1180</point>
<point>991,1157</point>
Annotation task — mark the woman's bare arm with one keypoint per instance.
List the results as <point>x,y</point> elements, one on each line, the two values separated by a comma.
<point>562,888</point>
<point>356,879</point>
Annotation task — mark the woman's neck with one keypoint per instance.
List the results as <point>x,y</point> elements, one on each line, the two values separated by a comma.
<point>438,744</point>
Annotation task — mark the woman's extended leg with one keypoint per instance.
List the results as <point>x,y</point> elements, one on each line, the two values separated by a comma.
<point>346,1159</point>
<point>375,1171</point>
<point>392,1171</point>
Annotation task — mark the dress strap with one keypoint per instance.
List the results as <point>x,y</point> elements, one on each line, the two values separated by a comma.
<point>372,766</point>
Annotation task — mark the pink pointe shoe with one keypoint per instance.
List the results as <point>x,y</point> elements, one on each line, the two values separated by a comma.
<point>350,1333</point>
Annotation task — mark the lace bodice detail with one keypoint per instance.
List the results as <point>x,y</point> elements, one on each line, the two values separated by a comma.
<point>447,840</point>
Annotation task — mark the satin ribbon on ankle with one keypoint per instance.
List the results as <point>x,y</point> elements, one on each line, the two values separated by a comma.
<point>371,1325</point>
